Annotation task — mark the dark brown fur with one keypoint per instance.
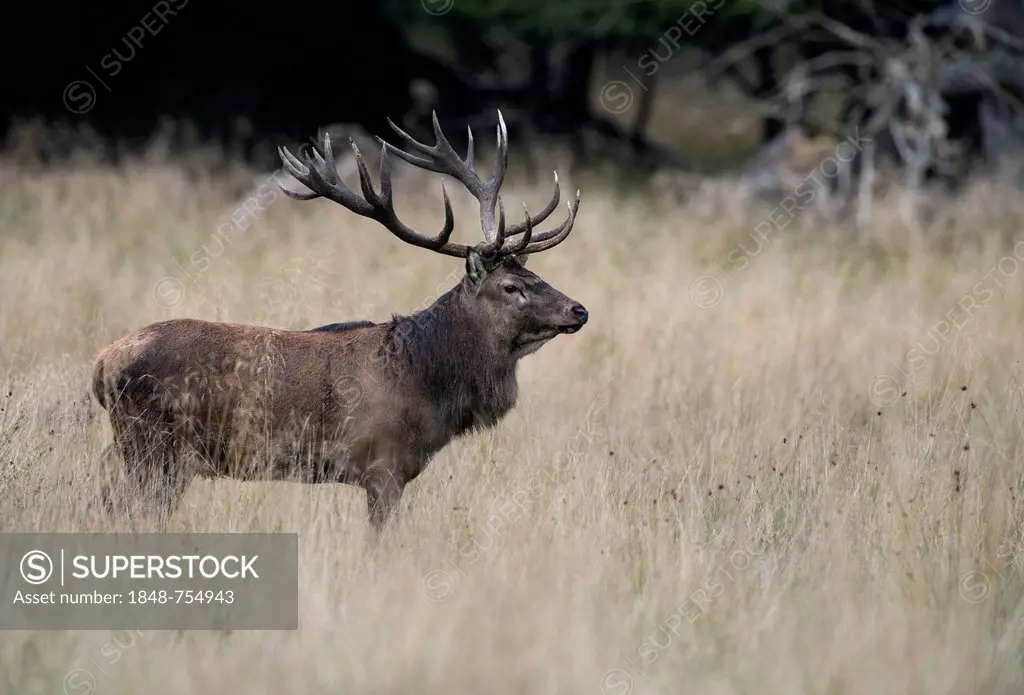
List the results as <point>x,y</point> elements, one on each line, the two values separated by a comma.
<point>359,403</point>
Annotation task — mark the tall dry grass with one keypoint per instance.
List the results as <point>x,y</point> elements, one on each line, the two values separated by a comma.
<point>794,474</point>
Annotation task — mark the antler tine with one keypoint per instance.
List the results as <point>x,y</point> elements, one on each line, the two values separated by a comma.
<point>298,171</point>
<point>537,219</point>
<point>324,158</point>
<point>470,154</point>
<point>539,242</point>
<point>519,246</point>
<point>314,168</point>
<point>488,194</point>
<point>557,235</point>
<point>499,232</point>
<point>384,209</point>
<point>317,172</point>
<point>427,162</point>
<point>443,159</point>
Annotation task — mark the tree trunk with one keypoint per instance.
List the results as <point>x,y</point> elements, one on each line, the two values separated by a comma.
<point>767,84</point>
<point>570,104</point>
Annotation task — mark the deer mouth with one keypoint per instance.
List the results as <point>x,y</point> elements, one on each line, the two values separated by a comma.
<point>533,341</point>
<point>538,337</point>
<point>551,331</point>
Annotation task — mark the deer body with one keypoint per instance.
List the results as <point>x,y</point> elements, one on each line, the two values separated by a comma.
<point>362,403</point>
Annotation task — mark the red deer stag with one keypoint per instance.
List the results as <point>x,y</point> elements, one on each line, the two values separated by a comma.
<point>361,403</point>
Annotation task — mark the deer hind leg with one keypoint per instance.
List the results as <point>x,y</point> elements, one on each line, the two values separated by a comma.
<point>383,493</point>
<point>153,481</point>
<point>165,485</point>
<point>112,490</point>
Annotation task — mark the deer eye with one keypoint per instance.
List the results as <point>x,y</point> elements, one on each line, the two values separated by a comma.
<point>511,289</point>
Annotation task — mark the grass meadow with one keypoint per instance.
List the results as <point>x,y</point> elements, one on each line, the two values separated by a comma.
<point>785,463</point>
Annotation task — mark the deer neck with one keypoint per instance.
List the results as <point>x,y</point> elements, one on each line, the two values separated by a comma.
<point>455,360</point>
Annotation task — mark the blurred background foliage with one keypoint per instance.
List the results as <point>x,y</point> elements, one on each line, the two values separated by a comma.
<point>649,85</point>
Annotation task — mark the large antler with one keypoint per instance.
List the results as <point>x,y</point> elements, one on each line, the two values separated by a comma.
<point>498,239</point>
<point>314,167</point>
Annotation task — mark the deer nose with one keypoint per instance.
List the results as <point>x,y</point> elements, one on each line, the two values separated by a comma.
<point>580,312</point>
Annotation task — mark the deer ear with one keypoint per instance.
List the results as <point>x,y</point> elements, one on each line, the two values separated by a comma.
<point>522,258</point>
<point>476,272</point>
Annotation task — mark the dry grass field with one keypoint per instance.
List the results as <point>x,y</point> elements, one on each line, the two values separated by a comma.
<point>786,465</point>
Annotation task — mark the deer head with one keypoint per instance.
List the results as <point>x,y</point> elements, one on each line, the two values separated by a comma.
<point>518,309</point>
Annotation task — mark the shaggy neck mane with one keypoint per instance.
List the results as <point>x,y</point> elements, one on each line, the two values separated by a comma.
<point>461,369</point>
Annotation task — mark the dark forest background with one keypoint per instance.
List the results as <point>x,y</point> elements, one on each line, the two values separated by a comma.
<point>585,72</point>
